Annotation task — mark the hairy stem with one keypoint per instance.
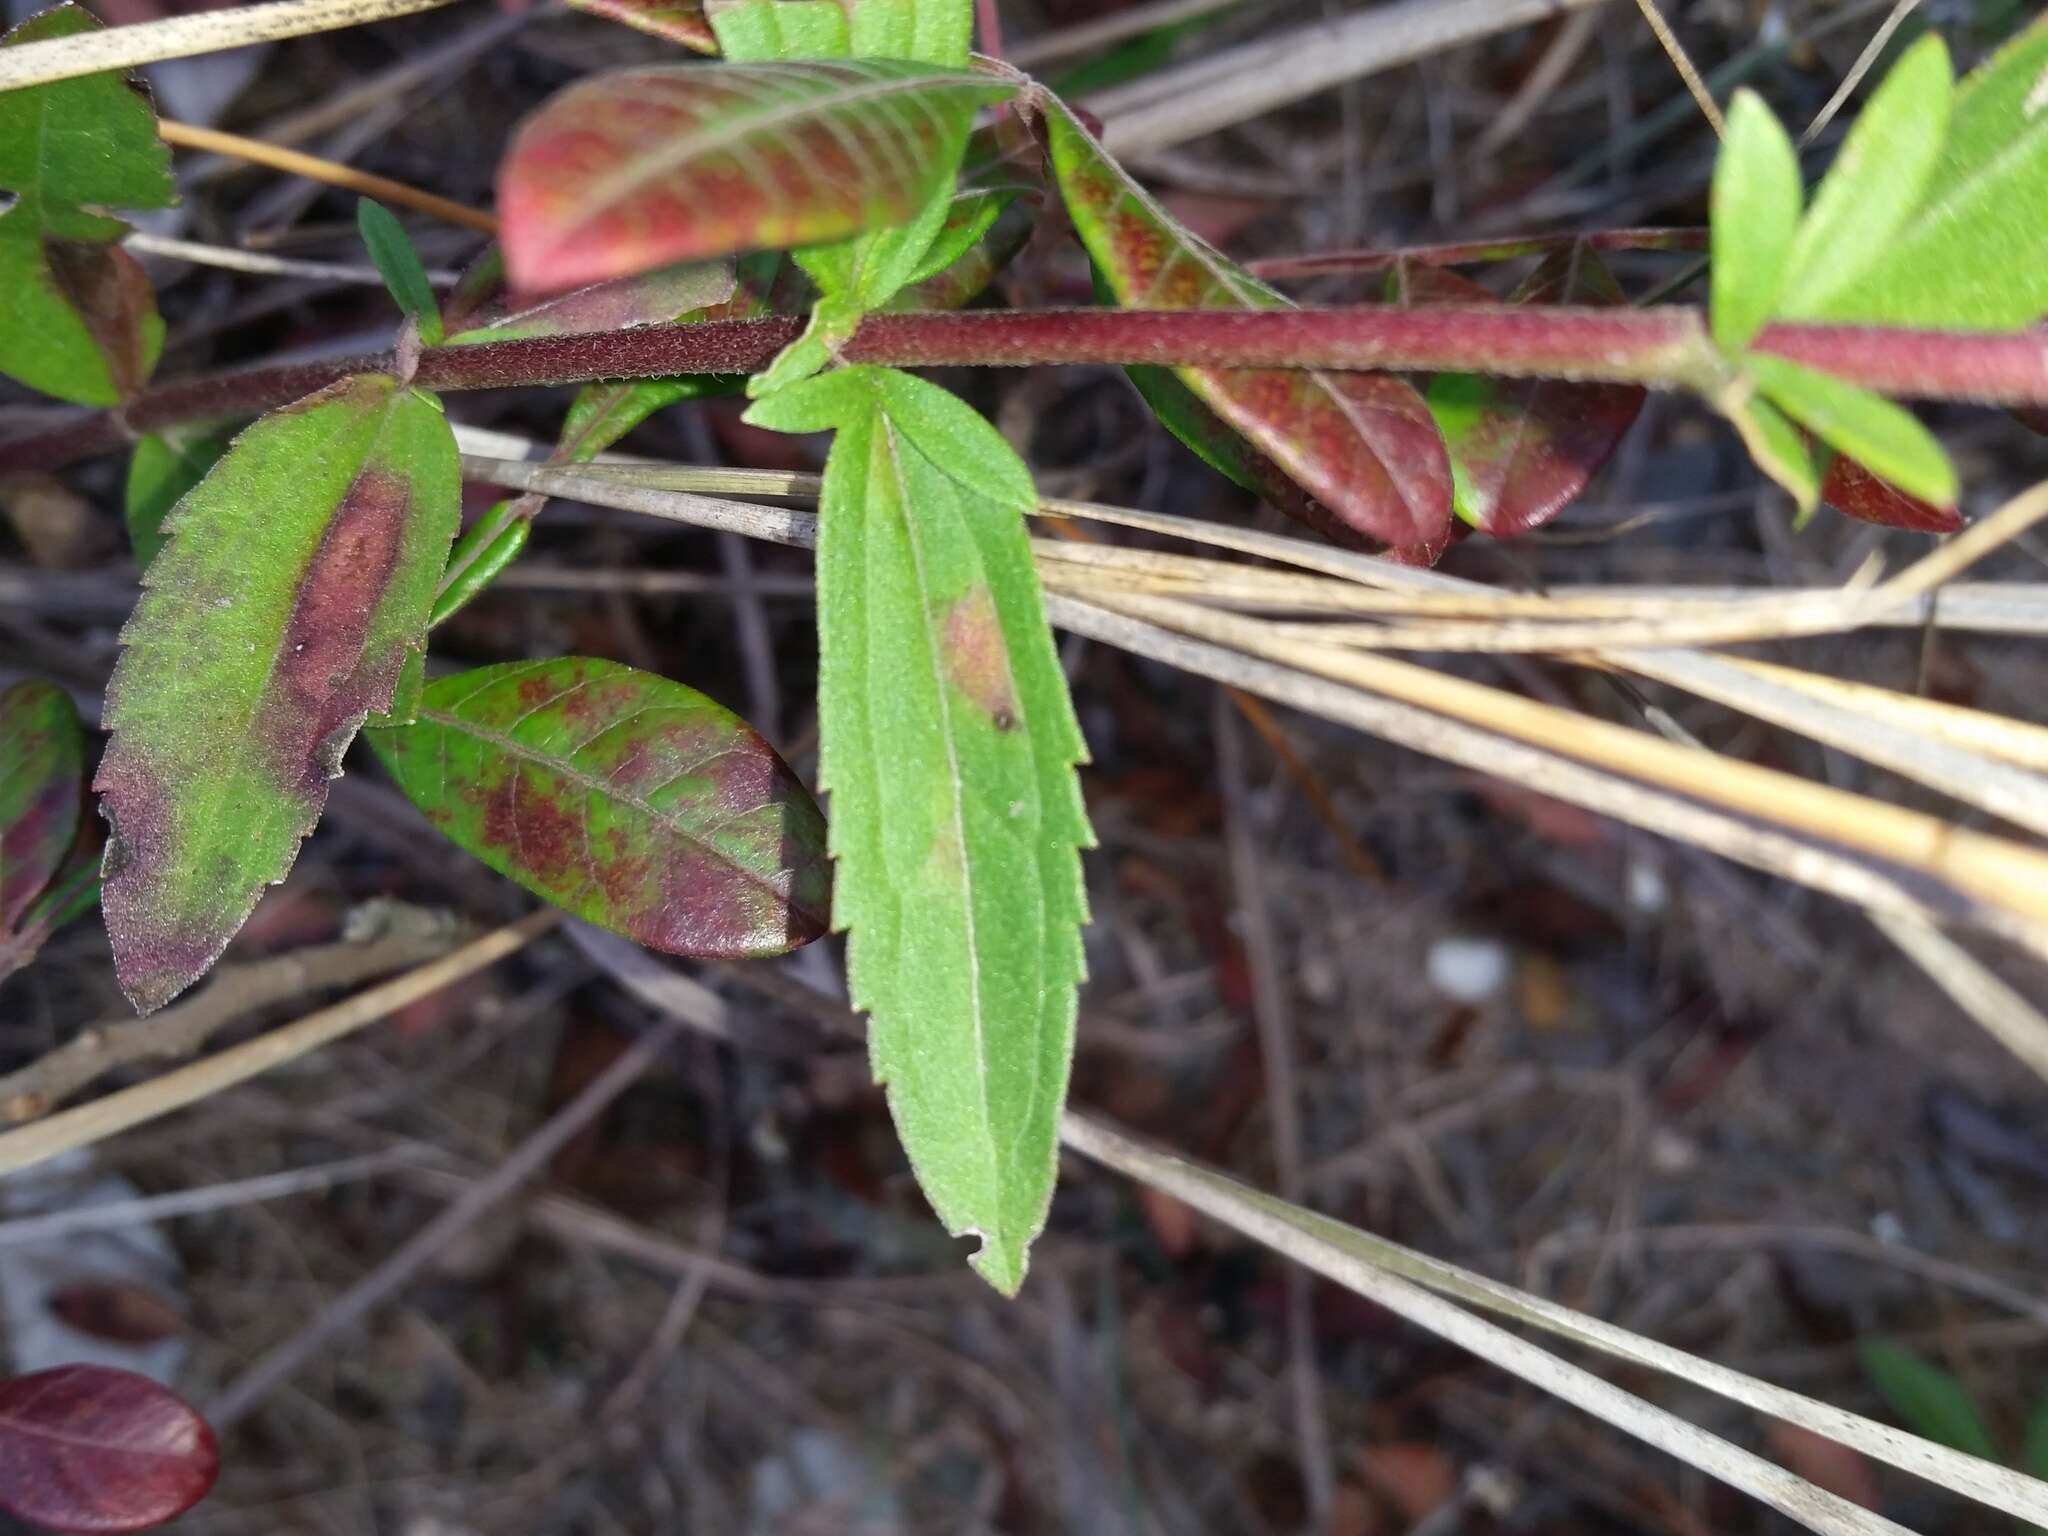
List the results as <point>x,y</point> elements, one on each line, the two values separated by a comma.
<point>1663,347</point>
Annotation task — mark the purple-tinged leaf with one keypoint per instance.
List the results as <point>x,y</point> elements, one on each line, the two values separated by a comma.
<point>1855,492</point>
<point>88,1448</point>
<point>633,802</point>
<point>42,769</point>
<point>650,298</point>
<point>1522,450</point>
<point>72,892</point>
<point>649,166</point>
<point>674,21</point>
<point>297,579</point>
<point>1362,444</point>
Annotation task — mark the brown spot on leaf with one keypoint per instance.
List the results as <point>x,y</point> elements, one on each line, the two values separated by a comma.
<point>319,693</point>
<point>975,658</point>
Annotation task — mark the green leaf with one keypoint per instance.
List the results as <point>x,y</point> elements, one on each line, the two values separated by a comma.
<point>929,31</point>
<point>77,318</point>
<point>160,471</point>
<point>1875,183</point>
<point>2035,1450</point>
<point>1929,1399</point>
<point>964,279</point>
<point>1362,444</point>
<point>42,768</point>
<point>297,578</point>
<point>480,556</point>
<point>970,214</point>
<point>1974,255</point>
<point>1778,446</point>
<point>667,295</point>
<point>767,31</point>
<point>648,166</point>
<point>1756,203</point>
<point>1885,438</point>
<point>73,147</point>
<point>949,746</point>
<point>673,21</point>
<point>391,251</point>
<point>629,800</point>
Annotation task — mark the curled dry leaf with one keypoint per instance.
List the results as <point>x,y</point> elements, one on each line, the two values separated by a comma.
<point>633,802</point>
<point>86,1448</point>
<point>649,166</point>
<point>1362,444</point>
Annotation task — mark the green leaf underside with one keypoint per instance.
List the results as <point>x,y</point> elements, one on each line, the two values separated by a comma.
<point>674,21</point>
<point>660,297</point>
<point>1884,167</point>
<point>649,166</point>
<point>1522,450</point>
<point>634,802</point>
<point>1883,437</point>
<point>1929,1399</point>
<point>77,318</point>
<point>1362,444</point>
<point>949,749</point>
<point>160,471</point>
<point>398,263</point>
<point>1855,492</point>
<point>1756,201</point>
<point>297,578</point>
<point>42,765</point>
<point>1974,253</point>
<point>1778,447</point>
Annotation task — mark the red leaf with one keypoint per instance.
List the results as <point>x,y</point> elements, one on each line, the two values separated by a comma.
<point>1362,444</point>
<point>85,1448</point>
<point>649,166</point>
<point>42,767</point>
<point>113,296</point>
<point>1855,492</point>
<point>675,21</point>
<point>1523,449</point>
<point>121,1314</point>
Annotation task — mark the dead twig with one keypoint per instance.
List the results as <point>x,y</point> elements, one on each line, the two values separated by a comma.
<point>388,936</point>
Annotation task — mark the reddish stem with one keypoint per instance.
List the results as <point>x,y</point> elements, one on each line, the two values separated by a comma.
<point>1654,346</point>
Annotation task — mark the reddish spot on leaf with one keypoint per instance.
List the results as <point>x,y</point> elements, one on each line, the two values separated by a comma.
<point>629,800</point>
<point>976,660</point>
<point>644,167</point>
<point>1855,492</point>
<point>85,1448</point>
<point>113,295</point>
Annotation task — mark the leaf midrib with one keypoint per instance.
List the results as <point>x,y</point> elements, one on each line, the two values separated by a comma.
<point>520,751</point>
<point>727,136</point>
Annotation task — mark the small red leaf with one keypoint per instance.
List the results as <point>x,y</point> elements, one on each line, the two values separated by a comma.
<point>1855,492</point>
<point>113,296</point>
<point>120,1314</point>
<point>649,166</point>
<point>1523,449</point>
<point>85,1448</point>
<point>1362,444</point>
<point>675,21</point>
<point>42,768</point>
